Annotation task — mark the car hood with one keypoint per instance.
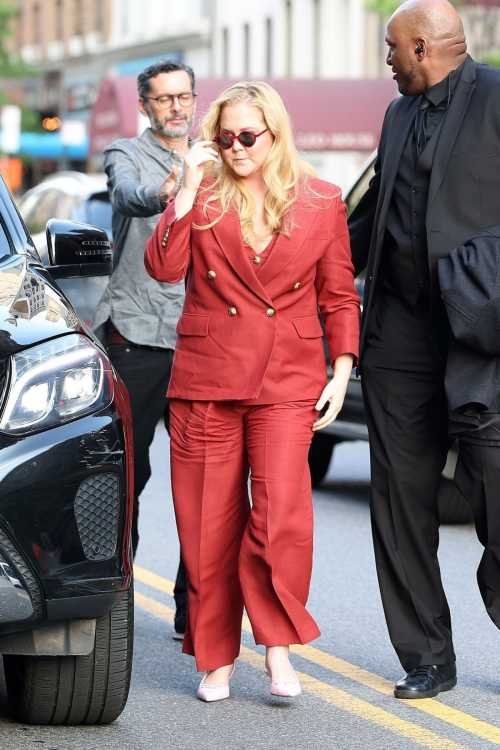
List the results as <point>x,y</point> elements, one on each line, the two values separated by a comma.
<point>32,308</point>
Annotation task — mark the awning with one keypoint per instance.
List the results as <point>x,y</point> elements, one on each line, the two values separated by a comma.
<point>114,114</point>
<point>50,146</point>
<point>327,115</point>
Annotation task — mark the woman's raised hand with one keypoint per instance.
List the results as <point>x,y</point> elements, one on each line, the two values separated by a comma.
<point>194,164</point>
<point>194,168</point>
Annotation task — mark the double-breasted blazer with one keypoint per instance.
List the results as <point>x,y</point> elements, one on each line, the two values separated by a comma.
<point>464,186</point>
<point>234,321</point>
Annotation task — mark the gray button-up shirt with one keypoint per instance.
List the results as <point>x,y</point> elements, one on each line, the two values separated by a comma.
<point>143,310</point>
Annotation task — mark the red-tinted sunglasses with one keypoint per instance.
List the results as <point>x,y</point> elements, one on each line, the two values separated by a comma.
<point>247,139</point>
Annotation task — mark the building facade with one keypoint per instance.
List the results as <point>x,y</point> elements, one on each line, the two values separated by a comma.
<point>295,39</point>
<point>301,39</point>
<point>76,44</point>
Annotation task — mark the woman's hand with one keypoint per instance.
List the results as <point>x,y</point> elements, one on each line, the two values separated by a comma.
<point>334,391</point>
<point>194,168</point>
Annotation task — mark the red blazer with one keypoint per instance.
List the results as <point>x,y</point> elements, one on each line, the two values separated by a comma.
<point>235,323</point>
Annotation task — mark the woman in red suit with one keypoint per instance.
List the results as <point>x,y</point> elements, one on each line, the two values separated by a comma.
<point>262,245</point>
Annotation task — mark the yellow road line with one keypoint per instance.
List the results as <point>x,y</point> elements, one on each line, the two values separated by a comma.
<point>429,706</point>
<point>153,580</point>
<point>334,696</point>
<point>154,608</point>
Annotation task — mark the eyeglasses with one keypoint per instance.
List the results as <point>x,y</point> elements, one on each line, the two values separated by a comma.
<point>165,101</point>
<point>247,139</point>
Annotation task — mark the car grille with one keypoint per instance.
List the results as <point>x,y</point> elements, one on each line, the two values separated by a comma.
<point>97,505</point>
<point>29,577</point>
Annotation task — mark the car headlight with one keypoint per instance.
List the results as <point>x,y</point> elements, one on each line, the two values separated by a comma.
<point>55,382</point>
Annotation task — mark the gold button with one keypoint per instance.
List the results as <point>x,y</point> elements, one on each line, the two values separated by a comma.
<point>297,285</point>
<point>270,312</point>
<point>212,274</point>
<point>256,260</point>
<point>232,311</point>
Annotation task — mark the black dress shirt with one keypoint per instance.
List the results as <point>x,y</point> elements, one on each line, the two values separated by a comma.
<point>406,261</point>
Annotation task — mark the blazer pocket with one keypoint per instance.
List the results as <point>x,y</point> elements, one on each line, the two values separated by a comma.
<point>308,328</point>
<point>479,153</point>
<point>192,325</point>
<point>318,234</point>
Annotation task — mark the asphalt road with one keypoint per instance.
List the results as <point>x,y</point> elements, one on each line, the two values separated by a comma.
<point>347,674</point>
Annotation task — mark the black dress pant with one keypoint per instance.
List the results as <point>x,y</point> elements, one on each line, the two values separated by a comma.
<point>146,374</point>
<point>405,402</point>
<point>478,478</point>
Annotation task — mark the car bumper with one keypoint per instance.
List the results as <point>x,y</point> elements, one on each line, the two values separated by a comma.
<point>65,520</point>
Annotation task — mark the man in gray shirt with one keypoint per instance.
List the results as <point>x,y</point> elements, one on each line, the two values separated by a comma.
<point>137,315</point>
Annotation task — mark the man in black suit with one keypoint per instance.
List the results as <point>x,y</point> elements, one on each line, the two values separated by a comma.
<point>436,184</point>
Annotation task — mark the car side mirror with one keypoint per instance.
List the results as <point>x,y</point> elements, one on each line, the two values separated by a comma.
<point>77,250</point>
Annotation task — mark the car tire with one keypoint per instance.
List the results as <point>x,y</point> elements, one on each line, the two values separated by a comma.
<point>89,689</point>
<point>453,507</point>
<point>320,455</point>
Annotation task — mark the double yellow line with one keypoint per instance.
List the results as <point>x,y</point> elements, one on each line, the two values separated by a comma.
<point>340,698</point>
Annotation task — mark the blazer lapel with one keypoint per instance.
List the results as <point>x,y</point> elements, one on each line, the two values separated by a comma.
<point>395,145</point>
<point>227,232</point>
<point>286,248</point>
<point>451,126</point>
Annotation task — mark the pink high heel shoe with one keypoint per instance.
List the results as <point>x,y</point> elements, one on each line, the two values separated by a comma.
<point>211,693</point>
<point>285,688</point>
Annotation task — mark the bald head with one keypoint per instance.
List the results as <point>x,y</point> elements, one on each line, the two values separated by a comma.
<point>426,41</point>
<point>437,20</point>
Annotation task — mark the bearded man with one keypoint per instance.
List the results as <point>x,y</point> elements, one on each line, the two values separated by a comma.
<point>436,185</point>
<point>137,316</point>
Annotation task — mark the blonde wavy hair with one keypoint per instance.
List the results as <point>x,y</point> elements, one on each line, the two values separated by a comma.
<point>285,173</point>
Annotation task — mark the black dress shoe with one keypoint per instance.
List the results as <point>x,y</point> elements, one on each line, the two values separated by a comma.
<point>427,681</point>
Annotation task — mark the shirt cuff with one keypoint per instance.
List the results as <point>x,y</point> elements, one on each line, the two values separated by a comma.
<point>152,198</point>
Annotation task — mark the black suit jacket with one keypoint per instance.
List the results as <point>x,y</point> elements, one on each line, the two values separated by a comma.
<point>464,191</point>
<point>470,284</point>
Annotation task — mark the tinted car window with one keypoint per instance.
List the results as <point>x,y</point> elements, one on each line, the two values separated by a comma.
<point>352,199</point>
<point>359,189</point>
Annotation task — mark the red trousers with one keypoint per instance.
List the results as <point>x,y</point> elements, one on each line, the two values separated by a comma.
<point>235,556</point>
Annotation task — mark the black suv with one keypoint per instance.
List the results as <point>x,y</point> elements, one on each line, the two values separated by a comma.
<point>351,422</point>
<point>66,597</point>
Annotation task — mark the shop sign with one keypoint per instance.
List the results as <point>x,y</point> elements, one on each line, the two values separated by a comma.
<point>333,141</point>
<point>10,124</point>
<point>80,95</point>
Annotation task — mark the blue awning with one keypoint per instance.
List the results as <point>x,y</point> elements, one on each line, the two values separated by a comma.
<point>50,146</point>
<point>134,67</point>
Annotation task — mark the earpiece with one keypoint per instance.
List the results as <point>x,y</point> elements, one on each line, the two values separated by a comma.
<point>420,48</point>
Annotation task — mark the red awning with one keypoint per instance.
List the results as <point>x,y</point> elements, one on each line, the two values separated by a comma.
<point>114,114</point>
<point>327,115</point>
